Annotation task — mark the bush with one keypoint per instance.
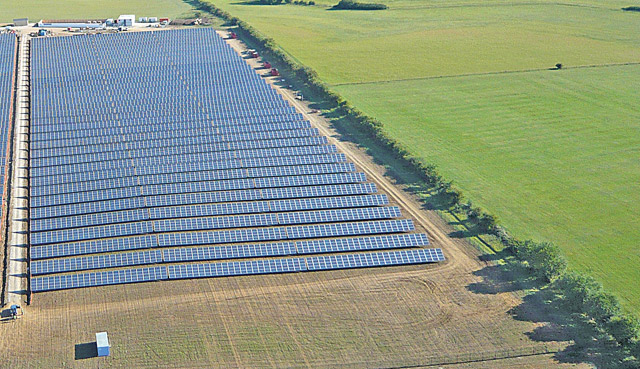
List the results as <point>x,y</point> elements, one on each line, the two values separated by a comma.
<point>543,258</point>
<point>632,9</point>
<point>602,306</point>
<point>354,5</point>
<point>624,329</point>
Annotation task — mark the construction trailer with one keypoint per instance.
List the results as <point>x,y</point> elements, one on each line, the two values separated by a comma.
<point>20,22</point>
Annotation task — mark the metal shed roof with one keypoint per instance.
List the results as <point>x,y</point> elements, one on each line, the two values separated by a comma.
<point>102,340</point>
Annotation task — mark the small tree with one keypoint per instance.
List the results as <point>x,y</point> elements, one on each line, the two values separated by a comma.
<point>576,289</point>
<point>602,306</point>
<point>624,329</point>
<point>543,258</point>
<point>559,66</point>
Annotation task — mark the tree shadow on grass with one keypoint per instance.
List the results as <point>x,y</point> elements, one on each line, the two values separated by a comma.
<point>543,305</point>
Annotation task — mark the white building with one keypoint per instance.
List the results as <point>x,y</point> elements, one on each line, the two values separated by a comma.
<point>127,20</point>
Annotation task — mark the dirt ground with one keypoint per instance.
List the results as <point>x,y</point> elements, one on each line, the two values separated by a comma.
<point>388,317</point>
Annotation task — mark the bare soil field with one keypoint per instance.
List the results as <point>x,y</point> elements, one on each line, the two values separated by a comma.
<point>386,317</point>
<point>448,315</point>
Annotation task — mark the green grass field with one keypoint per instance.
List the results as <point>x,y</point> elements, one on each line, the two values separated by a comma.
<point>555,154</point>
<point>72,9</point>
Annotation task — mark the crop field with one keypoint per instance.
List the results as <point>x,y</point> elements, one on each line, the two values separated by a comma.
<point>467,86</point>
<point>73,9</point>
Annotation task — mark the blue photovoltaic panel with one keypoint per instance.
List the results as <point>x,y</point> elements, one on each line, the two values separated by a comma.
<point>201,163</point>
<point>282,233</point>
<point>89,220</point>
<point>82,234</point>
<point>172,177</point>
<point>235,268</point>
<point>139,202</point>
<point>253,195</point>
<point>61,282</point>
<point>229,252</point>
<point>362,243</point>
<point>267,206</point>
<point>295,248</point>
<point>265,220</point>
<point>49,266</point>
<point>87,208</point>
<point>93,247</point>
<point>374,259</point>
<point>7,60</point>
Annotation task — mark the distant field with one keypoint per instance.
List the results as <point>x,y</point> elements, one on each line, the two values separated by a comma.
<point>553,153</point>
<point>69,9</point>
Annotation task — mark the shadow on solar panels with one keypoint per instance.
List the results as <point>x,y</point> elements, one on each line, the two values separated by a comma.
<point>86,351</point>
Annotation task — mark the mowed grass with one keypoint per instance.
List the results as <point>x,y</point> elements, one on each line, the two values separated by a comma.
<point>555,154</point>
<point>74,9</point>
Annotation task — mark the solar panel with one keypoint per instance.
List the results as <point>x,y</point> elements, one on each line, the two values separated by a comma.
<point>282,233</point>
<point>49,266</point>
<point>93,247</point>
<point>374,259</point>
<point>61,282</point>
<point>236,268</point>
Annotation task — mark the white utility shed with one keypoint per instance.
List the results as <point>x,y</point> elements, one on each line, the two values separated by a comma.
<point>102,341</point>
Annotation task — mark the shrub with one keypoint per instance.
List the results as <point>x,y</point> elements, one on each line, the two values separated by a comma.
<point>624,329</point>
<point>602,306</point>
<point>632,9</point>
<point>577,289</point>
<point>354,5</point>
<point>543,258</point>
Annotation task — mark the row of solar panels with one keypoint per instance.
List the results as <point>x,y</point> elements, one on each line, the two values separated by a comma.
<point>342,184</point>
<point>178,131</point>
<point>148,166</point>
<point>129,125</point>
<point>224,237</point>
<point>129,171</point>
<point>116,159</point>
<point>168,183</point>
<point>176,141</point>
<point>204,224</point>
<point>125,259</point>
<point>58,226</point>
<point>231,189</point>
<point>237,268</point>
<point>220,209</point>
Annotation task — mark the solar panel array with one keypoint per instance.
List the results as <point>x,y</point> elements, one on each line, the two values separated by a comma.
<point>171,158</point>
<point>7,68</point>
